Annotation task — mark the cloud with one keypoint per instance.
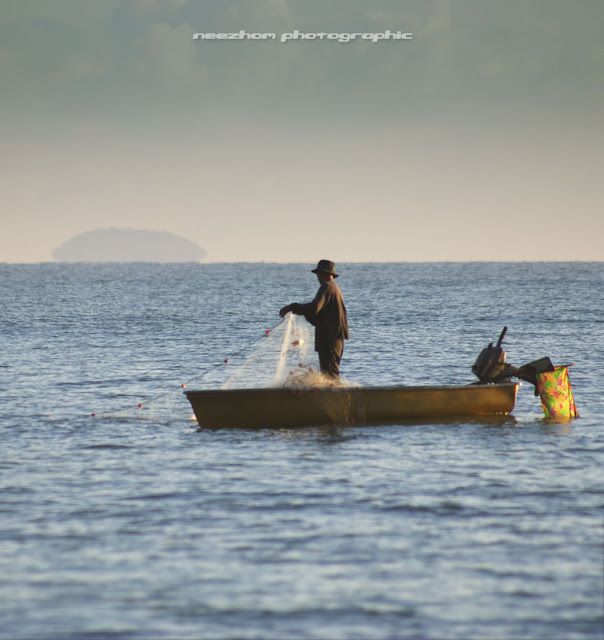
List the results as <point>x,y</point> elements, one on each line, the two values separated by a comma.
<point>465,54</point>
<point>158,5</point>
<point>169,51</point>
<point>265,10</point>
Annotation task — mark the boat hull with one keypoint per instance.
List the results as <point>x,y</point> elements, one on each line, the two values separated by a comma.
<point>278,408</point>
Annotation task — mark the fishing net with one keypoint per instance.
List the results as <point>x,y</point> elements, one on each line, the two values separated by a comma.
<point>282,357</point>
<point>286,349</point>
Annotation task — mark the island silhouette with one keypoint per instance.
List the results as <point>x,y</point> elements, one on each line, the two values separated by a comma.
<point>128,245</point>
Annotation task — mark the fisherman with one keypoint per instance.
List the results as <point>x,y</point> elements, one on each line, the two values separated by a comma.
<point>327,314</point>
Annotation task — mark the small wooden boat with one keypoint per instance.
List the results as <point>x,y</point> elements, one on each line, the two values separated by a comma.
<point>288,407</point>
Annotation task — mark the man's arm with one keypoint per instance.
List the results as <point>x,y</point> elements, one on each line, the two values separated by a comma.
<point>309,309</point>
<point>285,310</point>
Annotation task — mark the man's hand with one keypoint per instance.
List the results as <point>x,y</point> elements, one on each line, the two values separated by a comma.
<point>285,310</point>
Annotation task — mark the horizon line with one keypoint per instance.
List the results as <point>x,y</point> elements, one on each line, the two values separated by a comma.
<point>218,262</point>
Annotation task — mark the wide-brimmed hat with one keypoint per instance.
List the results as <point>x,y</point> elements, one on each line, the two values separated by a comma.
<point>327,266</point>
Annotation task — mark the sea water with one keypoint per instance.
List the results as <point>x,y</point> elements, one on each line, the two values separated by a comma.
<point>119,526</point>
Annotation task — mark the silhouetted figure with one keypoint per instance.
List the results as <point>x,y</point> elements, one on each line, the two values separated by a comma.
<point>327,314</point>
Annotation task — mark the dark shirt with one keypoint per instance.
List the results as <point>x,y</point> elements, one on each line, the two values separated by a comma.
<point>327,313</point>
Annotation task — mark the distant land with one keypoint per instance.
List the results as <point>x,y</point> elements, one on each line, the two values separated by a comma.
<point>128,245</point>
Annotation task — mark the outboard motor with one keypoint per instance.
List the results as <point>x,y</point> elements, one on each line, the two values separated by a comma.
<point>551,383</point>
<point>490,365</point>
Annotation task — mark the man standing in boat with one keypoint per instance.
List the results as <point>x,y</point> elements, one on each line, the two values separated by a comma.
<point>327,314</point>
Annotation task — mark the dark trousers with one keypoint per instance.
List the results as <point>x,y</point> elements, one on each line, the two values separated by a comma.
<point>330,354</point>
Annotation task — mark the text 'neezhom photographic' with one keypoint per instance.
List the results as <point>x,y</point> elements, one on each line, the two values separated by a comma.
<point>300,35</point>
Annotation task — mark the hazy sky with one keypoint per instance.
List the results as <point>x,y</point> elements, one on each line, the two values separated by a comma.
<point>480,139</point>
